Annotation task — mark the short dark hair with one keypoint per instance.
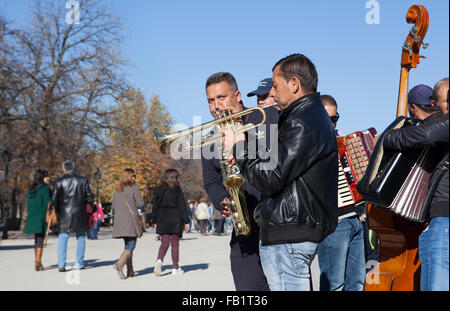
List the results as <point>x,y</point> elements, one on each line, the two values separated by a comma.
<point>330,99</point>
<point>426,108</point>
<point>222,77</point>
<point>300,66</point>
<point>68,166</point>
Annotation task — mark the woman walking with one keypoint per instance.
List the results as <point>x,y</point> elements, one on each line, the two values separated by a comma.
<point>202,214</point>
<point>37,203</point>
<point>170,219</point>
<point>126,200</point>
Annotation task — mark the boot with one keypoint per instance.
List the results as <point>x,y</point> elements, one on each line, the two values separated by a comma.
<point>121,262</point>
<point>130,271</point>
<point>37,261</point>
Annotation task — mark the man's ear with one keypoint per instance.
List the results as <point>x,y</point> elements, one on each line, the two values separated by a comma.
<point>294,85</point>
<point>238,95</point>
<point>433,103</point>
<point>412,110</point>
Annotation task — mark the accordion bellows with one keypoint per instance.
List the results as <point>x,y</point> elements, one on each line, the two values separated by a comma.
<point>398,181</point>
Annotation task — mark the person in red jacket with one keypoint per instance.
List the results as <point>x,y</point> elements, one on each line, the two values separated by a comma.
<point>99,217</point>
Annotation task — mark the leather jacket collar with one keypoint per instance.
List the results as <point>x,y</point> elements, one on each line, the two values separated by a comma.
<point>298,104</point>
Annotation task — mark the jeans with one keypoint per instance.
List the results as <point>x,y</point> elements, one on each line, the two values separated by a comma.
<point>62,248</point>
<point>341,257</point>
<point>287,266</point>
<point>433,254</point>
<point>130,243</point>
<point>93,233</point>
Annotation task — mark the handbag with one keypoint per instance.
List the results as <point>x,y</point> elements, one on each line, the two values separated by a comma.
<point>51,220</point>
<point>51,217</point>
<point>137,220</point>
<point>91,216</point>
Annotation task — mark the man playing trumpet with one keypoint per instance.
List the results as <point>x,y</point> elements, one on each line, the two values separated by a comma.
<point>224,98</point>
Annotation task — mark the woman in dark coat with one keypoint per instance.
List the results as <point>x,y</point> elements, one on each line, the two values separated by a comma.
<point>126,200</point>
<point>37,203</point>
<point>170,218</point>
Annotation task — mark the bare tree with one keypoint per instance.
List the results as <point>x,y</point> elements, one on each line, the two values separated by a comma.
<point>56,81</point>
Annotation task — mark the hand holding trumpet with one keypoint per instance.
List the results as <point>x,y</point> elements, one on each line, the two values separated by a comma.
<point>230,136</point>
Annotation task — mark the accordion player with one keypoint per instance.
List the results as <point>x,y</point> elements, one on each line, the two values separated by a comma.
<point>354,152</point>
<point>399,181</point>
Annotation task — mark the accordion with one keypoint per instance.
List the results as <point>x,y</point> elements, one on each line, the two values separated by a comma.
<point>354,153</point>
<point>398,181</point>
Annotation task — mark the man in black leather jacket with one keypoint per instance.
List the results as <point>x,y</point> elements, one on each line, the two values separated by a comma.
<point>299,208</point>
<point>70,196</point>
<point>433,241</point>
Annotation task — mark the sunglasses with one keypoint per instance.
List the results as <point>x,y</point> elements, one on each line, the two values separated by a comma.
<point>335,118</point>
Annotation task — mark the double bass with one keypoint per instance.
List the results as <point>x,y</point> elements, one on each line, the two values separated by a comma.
<point>398,267</point>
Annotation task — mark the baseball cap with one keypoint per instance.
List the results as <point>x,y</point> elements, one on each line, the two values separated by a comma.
<point>420,95</point>
<point>263,88</point>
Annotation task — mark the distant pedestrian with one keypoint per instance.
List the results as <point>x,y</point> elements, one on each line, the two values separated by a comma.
<point>202,214</point>
<point>70,196</point>
<point>219,222</point>
<point>127,199</point>
<point>210,217</point>
<point>170,218</point>
<point>37,203</point>
<point>99,217</point>
<point>189,212</point>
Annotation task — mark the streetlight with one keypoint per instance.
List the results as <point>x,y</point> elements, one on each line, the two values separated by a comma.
<point>97,176</point>
<point>6,157</point>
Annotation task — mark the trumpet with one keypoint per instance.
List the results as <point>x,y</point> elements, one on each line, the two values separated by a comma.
<point>231,174</point>
<point>164,140</point>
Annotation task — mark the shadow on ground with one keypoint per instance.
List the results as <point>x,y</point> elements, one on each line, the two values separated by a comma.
<point>15,247</point>
<point>167,269</point>
<point>89,264</point>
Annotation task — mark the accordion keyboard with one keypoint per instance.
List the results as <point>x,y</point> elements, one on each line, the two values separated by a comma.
<point>354,153</point>
<point>344,193</point>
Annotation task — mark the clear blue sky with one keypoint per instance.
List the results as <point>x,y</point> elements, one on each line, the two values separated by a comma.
<point>174,46</point>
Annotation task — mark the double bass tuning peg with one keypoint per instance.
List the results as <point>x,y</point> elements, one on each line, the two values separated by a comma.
<point>425,45</point>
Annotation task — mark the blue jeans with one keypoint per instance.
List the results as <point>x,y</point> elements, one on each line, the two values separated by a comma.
<point>93,233</point>
<point>130,243</point>
<point>341,257</point>
<point>433,254</point>
<point>62,249</point>
<point>287,266</point>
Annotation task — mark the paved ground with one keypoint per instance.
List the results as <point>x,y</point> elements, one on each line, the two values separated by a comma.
<point>204,258</point>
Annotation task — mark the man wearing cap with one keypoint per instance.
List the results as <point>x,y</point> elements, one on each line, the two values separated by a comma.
<point>434,131</point>
<point>419,102</point>
<point>265,96</point>
<point>264,93</point>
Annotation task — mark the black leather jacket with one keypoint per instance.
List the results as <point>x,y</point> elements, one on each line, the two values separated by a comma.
<point>300,193</point>
<point>433,131</point>
<point>69,198</point>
